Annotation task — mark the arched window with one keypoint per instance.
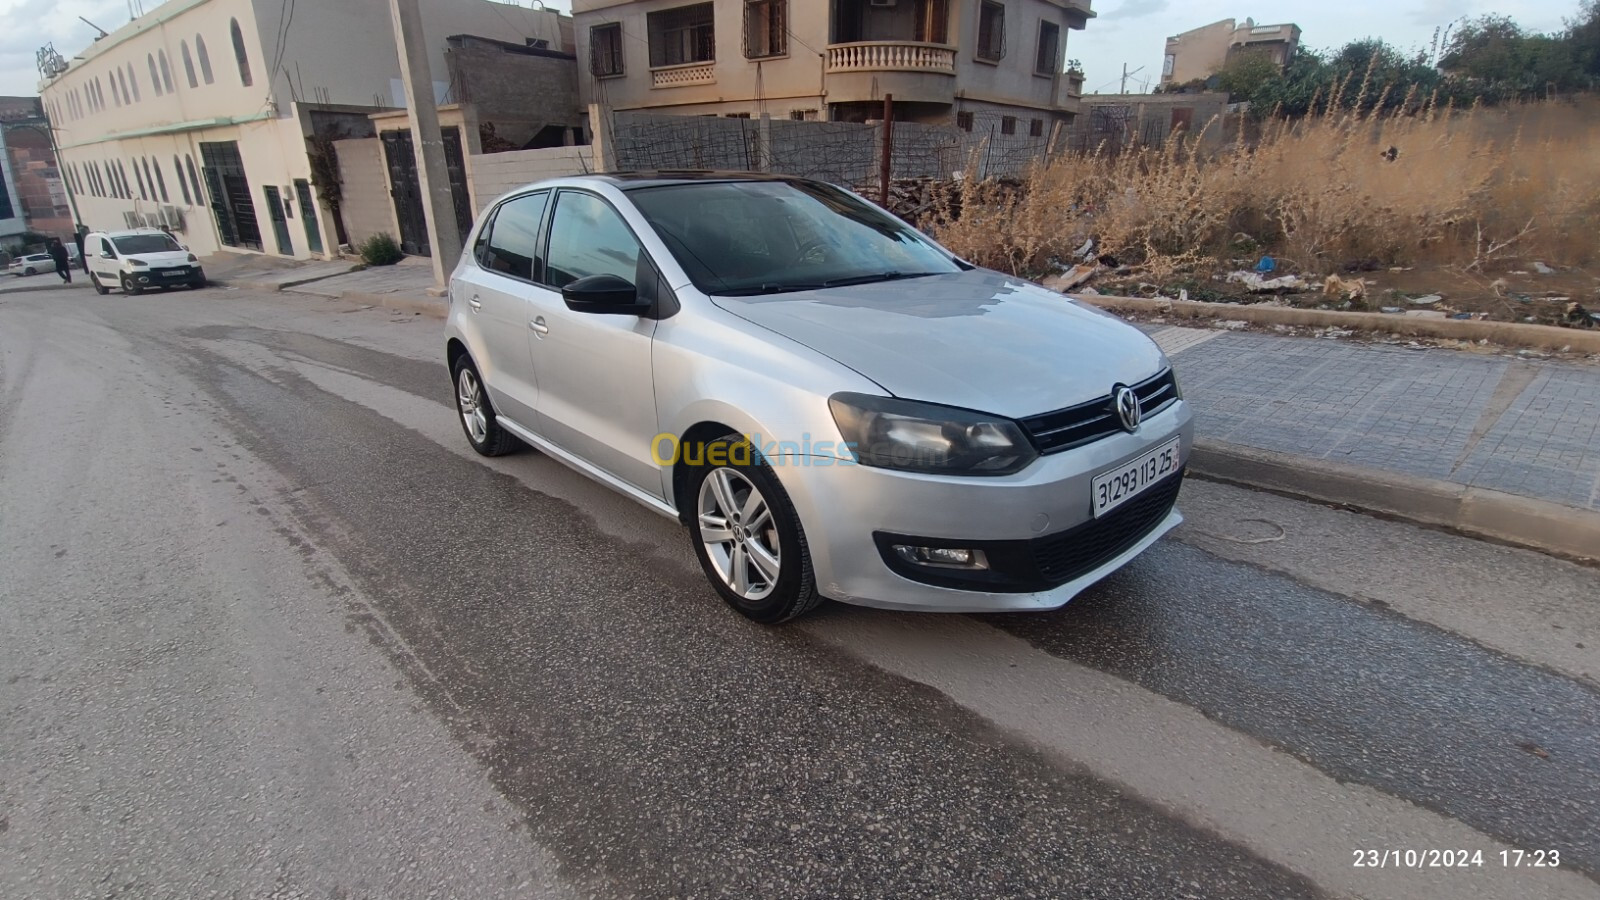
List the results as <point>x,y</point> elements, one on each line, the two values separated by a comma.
<point>158,184</point>
<point>166,70</point>
<point>194,181</point>
<point>188,64</point>
<point>239,54</point>
<point>133,79</point>
<point>205,59</point>
<point>127,186</point>
<point>155,77</point>
<point>177,169</point>
<point>138,176</point>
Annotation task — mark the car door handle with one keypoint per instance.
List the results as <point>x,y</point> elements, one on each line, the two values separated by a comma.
<point>475,303</point>
<point>539,327</point>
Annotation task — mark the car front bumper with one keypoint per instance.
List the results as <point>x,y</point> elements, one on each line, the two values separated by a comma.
<point>1037,525</point>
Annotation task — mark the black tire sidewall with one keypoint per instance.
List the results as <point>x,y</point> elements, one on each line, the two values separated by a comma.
<point>129,288</point>
<point>794,593</point>
<point>99,288</point>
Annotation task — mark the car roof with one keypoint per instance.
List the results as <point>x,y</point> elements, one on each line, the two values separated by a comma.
<point>129,232</point>
<point>638,180</point>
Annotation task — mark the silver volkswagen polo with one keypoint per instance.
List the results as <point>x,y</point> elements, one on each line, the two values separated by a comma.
<point>833,404</point>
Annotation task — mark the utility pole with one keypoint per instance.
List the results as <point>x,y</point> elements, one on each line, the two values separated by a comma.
<point>1126,74</point>
<point>438,208</point>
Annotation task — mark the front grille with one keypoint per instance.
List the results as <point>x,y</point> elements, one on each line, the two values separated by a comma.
<point>1072,554</point>
<point>1096,420</point>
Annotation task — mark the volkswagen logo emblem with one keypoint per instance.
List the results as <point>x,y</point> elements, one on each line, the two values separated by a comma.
<point>1127,406</point>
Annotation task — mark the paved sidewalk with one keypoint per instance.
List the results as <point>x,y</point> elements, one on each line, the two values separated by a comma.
<point>412,278</point>
<point>1525,427</point>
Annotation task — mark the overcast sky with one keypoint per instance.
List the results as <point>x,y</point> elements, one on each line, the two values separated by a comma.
<point>1127,31</point>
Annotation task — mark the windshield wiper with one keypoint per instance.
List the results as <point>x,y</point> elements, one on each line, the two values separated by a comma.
<point>788,287</point>
<point>875,278</point>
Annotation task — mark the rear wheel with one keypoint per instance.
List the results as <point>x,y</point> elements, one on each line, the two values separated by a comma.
<point>477,413</point>
<point>129,288</point>
<point>99,288</point>
<point>747,535</point>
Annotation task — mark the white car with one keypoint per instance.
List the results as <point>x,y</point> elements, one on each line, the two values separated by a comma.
<point>140,260</point>
<point>32,264</point>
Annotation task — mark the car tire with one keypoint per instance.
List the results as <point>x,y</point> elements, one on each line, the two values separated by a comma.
<point>476,412</point>
<point>755,555</point>
<point>129,288</point>
<point>30,271</point>
<point>99,288</point>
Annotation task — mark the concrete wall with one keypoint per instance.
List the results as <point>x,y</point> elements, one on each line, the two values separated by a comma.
<point>368,208</point>
<point>495,174</point>
<point>519,92</point>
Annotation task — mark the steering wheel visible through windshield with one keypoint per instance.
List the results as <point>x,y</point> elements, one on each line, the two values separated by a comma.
<point>768,237</point>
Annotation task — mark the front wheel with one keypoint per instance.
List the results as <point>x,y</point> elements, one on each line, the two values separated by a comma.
<point>747,535</point>
<point>477,413</point>
<point>129,288</point>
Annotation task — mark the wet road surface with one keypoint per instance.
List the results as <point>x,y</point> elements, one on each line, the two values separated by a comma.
<point>271,629</point>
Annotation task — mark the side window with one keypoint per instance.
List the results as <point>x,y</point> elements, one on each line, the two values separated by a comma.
<point>105,247</point>
<point>513,246</point>
<point>588,237</point>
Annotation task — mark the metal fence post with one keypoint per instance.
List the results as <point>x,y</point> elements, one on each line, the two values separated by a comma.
<point>886,167</point>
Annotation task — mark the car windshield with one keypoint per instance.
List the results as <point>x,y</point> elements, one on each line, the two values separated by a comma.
<point>146,243</point>
<point>770,237</point>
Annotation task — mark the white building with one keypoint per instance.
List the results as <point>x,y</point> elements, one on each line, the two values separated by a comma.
<point>195,115</point>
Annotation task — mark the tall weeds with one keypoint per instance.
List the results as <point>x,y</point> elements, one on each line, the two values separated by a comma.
<point>1518,183</point>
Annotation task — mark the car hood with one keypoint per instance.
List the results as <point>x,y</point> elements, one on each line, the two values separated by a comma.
<point>163,258</point>
<point>976,339</point>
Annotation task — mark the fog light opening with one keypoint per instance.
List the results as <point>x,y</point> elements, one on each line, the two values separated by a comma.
<point>942,557</point>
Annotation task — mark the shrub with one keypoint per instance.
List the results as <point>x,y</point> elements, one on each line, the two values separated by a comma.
<point>381,250</point>
<point>1465,189</point>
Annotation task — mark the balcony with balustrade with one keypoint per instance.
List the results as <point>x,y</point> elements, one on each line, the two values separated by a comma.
<point>901,49</point>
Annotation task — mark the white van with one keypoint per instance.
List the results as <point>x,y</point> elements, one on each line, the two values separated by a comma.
<point>140,260</point>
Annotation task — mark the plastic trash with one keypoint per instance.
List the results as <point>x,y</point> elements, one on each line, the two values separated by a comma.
<point>1426,301</point>
<point>1267,265</point>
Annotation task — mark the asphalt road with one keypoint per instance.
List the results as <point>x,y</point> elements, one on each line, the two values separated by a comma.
<point>269,629</point>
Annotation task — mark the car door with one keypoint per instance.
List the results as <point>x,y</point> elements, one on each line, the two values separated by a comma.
<point>496,286</point>
<point>103,261</point>
<point>596,392</point>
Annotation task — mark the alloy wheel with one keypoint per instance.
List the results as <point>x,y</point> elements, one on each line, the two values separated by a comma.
<point>739,534</point>
<point>469,396</point>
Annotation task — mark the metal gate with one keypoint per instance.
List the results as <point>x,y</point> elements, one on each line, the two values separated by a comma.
<point>231,203</point>
<point>280,222</point>
<point>308,214</point>
<point>401,156</point>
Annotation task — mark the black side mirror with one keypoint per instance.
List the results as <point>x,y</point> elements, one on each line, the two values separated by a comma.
<point>604,295</point>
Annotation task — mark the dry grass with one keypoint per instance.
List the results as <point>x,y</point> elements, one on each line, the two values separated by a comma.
<point>1476,189</point>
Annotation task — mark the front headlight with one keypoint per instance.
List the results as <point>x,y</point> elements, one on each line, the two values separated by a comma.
<point>138,263</point>
<point>924,437</point>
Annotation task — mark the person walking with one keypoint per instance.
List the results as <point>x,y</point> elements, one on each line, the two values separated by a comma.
<point>58,252</point>
<point>78,236</point>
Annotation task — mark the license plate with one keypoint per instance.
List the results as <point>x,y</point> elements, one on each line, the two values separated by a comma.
<point>1118,486</point>
<point>175,273</point>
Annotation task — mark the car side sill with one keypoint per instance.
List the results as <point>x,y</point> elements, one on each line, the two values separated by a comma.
<point>655,504</point>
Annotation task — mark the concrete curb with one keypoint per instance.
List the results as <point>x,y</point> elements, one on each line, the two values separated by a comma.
<point>1509,334</point>
<point>227,281</point>
<point>1479,512</point>
<point>79,282</point>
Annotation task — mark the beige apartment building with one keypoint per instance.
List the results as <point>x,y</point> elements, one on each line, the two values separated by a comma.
<point>942,60</point>
<point>195,116</point>
<point>1197,54</point>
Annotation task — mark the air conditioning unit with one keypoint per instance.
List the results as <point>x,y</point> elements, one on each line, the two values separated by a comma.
<point>172,218</point>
